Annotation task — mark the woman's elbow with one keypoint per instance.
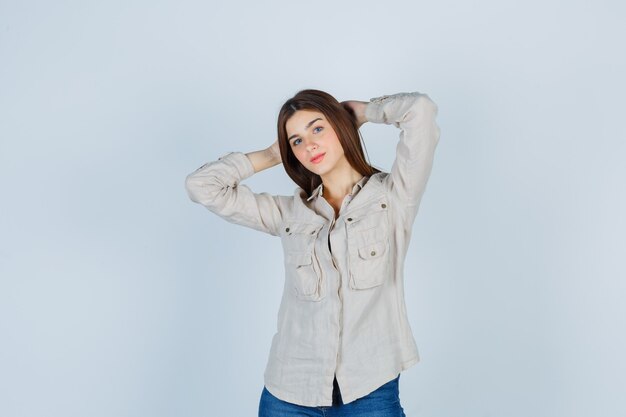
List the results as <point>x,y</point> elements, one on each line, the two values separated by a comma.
<point>195,188</point>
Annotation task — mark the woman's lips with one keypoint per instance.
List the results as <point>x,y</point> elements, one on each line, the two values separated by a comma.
<point>318,159</point>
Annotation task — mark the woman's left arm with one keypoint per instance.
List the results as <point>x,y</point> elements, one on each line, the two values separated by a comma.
<point>415,114</point>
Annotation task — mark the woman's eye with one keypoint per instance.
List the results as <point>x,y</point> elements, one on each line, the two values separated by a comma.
<point>294,143</point>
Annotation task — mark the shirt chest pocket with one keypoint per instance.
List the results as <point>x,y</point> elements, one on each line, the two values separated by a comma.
<point>369,256</point>
<point>302,267</point>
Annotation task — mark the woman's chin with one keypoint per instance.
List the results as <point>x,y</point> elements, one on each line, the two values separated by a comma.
<point>318,170</point>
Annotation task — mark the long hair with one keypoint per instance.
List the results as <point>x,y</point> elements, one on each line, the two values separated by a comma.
<point>343,123</point>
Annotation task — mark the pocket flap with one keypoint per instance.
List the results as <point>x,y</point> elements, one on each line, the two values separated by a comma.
<point>373,250</point>
<point>299,258</point>
<point>307,228</point>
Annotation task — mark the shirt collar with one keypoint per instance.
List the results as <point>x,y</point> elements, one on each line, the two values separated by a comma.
<point>320,188</point>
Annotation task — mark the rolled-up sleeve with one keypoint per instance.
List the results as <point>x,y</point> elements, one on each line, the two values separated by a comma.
<point>415,114</point>
<point>217,186</point>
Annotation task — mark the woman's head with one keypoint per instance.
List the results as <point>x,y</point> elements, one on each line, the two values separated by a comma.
<point>313,123</point>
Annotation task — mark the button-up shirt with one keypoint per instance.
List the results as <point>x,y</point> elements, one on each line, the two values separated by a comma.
<point>342,312</point>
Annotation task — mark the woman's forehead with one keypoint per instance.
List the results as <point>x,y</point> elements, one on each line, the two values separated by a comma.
<point>301,120</point>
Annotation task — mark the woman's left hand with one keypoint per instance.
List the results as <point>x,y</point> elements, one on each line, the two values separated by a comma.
<point>357,110</point>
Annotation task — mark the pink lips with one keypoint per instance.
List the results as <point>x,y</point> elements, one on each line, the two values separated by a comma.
<point>318,159</point>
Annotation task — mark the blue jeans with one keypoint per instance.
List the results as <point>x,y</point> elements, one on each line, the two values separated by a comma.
<point>383,402</point>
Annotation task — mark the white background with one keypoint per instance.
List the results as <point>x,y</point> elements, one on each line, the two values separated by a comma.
<point>120,297</point>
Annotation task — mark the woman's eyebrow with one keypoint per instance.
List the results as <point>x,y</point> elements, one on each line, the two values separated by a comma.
<point>305,128</point>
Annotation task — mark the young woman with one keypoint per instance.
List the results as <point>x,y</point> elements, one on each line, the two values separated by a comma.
<point>343,335</point>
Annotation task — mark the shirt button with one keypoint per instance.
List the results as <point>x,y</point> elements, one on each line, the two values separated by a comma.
<point>349,219</point>
<point>287,229</point>
<point>373,253</point>
<point>383,205</point>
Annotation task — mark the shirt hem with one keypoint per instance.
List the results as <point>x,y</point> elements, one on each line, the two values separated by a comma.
<point>388,377</point>
<point>281,395</point>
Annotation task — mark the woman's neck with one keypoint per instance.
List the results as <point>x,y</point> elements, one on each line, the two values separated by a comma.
<point>339,183</point>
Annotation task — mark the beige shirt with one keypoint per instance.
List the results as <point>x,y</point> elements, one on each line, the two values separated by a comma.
<point>342,310</point>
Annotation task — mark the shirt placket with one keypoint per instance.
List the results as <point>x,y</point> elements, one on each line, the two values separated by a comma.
<point>339,237</point>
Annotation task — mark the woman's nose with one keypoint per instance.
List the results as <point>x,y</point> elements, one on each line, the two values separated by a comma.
<point>311,145</point>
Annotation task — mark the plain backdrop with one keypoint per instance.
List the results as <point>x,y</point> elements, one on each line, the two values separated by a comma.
<point>119,297</point>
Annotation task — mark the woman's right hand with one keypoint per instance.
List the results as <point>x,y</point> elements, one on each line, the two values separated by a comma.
<point>274,151</point>
<point>265,158</point>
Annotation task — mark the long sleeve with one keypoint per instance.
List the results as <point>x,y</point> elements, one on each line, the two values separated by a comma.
<point>216,186</point>
<point>414,113</point>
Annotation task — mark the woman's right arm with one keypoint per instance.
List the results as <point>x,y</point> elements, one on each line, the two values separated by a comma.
<point>265,158</point>
<point>217,186</point>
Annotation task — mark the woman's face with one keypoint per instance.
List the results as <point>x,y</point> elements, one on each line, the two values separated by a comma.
<point>310,135</point>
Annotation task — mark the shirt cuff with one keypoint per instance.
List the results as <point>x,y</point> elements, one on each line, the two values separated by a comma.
<point>240,161</point>
<point>374,111</point>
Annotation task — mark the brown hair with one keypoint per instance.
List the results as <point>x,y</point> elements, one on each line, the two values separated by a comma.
<point>343,123</point>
